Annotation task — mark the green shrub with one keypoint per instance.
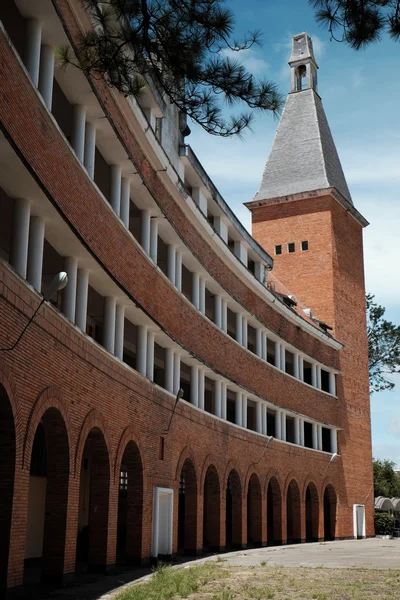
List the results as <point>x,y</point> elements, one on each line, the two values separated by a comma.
<point>384,523</point>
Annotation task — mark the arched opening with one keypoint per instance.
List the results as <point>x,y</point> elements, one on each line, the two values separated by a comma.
<point>312,513</point>
<point>187,509</point>
<point>274,512</point>
<point>91,549</point>
<point>211,510</point>
<point>293,513</point>
<point>233,523</point>
<point>130,506</point>
<point>301,78</point>
<point>7,474</point>
<point>330,504</point>
<point>254,512</point>
<point>47,500</point>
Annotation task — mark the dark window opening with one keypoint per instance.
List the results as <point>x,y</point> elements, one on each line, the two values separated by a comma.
<point>188,188</point>
<point>278,249</point>
<point>289,362</point>
<point>185,381</point>
<point>251,415</point>
<point>231,323</point>
<point>308,435</point>
<point>210,305</point>
<point>159,365</point>
<point>307,372</point>
<point>209,394</point>
<point>187,283</point>
<point>290,429</point>
<point>291,247</point>
<point>6,210</point>
<point>62,110</point>
<point>210,218</point>
<point>135,221</point>
<point>271,351</point>
<point>130,345</point>
<point>304,245</point>
<point>251,265</point>
<point>231,407</point>
<point>251,339</point>
<point>324,380</point>
<point>14,25</point>
<point>231,244</point>
<point>102,174</point>
<point>162,258</point>
<point>95,315</point>
<point>271,423</point>
<point>326,440</point>
<point>53,263</point>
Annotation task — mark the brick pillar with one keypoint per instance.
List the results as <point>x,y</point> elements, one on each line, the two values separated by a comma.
<point>111,555</point>
<point>132,464</point>
<point>71,528</point>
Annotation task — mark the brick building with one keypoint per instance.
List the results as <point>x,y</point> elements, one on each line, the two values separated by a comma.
<point>166,290</point>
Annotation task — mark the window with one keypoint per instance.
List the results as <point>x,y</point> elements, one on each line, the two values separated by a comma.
<point>308,435</point>
<point>278,249</point>
<point>324,380</point>
<point>291,247</point>
<point>304,245</point>
<point>271,417</point>
<point>158,128</point>
<point>289,429</point>
<point>123,481</point>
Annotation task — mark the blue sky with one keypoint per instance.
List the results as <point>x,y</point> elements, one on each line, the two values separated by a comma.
<point>360,92</point>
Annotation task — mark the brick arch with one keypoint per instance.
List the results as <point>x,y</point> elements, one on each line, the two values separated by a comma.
<point>128,435</point>
<point>272,473</point>
<point>209,461</point>
<point>7,381</point>
<point>51,397</point>
<point>328,482</point>
<point>311,509</point>
<point>94,418</point>
<point>253,494</point>
<point>250,472</point>
<point>232,466</point>
<point>185,455</point>
<point>293,500</point>
<point>211,492</point>
<point>291,477</point>
<point>307,482</point>
<point>274,505</point>
<point>331,527</point>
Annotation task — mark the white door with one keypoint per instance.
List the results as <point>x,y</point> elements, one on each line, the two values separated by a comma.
<point>163,505</point>
<point>360,520</point>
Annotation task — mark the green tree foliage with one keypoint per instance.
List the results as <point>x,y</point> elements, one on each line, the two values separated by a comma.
<point>384,523</point>
<point>185,48</point>
<point>383,347</point>
<point>359,22</point>
<point>386,481</point>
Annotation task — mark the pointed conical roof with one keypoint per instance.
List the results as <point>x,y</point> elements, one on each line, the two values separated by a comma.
<point>303,156</point>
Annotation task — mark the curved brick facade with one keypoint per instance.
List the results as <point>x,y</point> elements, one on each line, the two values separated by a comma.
<point>101,435</point>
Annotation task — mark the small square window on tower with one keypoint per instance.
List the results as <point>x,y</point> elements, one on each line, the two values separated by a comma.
<point>291,247</point>
<point>278,249</point>
<point>304,245</point>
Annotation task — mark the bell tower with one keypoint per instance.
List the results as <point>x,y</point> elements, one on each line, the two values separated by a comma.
<point>304,216</point>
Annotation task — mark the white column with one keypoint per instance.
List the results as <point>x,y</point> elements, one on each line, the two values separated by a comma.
<point>283,357</point>
<point>259,271</point>
<point>153,239</point>
<point>239,409</point>
<point>89,154</point>
<point>244,331</point>
<point>150,356</point>
<point>224,400</point>
<point>259,342</point>
<point>222,227</point>
<point>202,298</point>
<point>334,447</point>
<point>315,436</point>
<point>296,365</point>
<point>145,230</point>
<point>319,383</point>
<point>69,293</point>
<point>314,374</point>
<point>115,188</point>
<point>33,33</point>
<point>196,290</point>
<point>109,324</point>
<point>171,263</point>
<point>297,431</point>
<point>239,327</point>
<point>264,419</point>
<point>301,432</point>
<point>332,383</point>
<point>141,352</point>
<point>20,235</point>
<point>35,252</point>
<point>119,331</point>
<point>194,385</point>
<point>319,437</point>
<point>264,345</point>
<point>82,288</point>
<point>178,270</point>
<point>125,200</point>
<point>283,427</point>
<point>177,373</point>
<point>78,130</point>
<point>241,252</point>
<point>201,388</point>
<point>278,425</point>
<point>224,306</point>
<point>218,310</point>
<point>217,398</point>
<point>46,75</point>
<point>301,367</point>
<point>259,426</point>
<point>278,355</point>
<point>244,410</point>
<point>169,370</point>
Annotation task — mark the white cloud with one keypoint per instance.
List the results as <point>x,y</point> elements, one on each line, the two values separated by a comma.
<point>251,59</point>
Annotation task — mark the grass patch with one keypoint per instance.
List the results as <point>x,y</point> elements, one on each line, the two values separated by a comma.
<point>168,583</point>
